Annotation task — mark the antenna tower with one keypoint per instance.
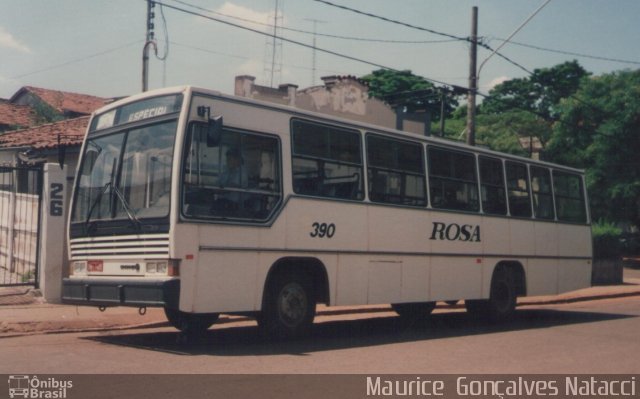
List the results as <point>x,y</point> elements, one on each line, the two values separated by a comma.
<point>313,56</point>
<point>273,48</point>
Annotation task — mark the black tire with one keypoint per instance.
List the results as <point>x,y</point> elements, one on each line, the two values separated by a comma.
<point>414,310</point>
<point>501,304</point>
<point>289,307</point>
<point>195,323</point>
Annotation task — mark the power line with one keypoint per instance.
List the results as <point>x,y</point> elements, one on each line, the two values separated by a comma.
<point>595,57</point>
<point>450,36</point>
<point>331,52</point>
<point>526,21</point>
<point>504,57</point>
<point>377,65</point>
<point>307,32</point>
<point>241,57</point>
<point>52,67</point>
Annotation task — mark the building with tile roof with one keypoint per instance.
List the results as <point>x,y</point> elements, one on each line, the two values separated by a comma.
<point>14,116</point>
<point>34,122</point>
<point>64,104</point>
<point>40,143</point>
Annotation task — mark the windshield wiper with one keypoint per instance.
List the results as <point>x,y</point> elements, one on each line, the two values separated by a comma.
<point>125,205</point>
<point>93,205</point>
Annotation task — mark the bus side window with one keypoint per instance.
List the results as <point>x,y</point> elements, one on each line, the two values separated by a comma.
<point>542,196</point>
<point>395,171</point>
<point>569,193</point>
<point>327,161</point>
<point>518,187</point>
<point>452,180</point>
<point>494,201</point>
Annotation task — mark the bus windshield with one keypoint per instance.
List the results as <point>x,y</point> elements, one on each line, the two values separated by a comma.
<point>126,175</point>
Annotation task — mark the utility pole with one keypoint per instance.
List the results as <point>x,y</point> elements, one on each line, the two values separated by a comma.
<point>148,42</point>
<point>473,79</point>
<point>441,112</point>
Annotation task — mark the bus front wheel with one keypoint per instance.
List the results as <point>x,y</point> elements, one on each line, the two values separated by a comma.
<point>289,307</point>
<point>501,304</point>
<point>190,322</point>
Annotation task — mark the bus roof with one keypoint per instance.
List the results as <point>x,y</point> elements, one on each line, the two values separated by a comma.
<point>330,119</point>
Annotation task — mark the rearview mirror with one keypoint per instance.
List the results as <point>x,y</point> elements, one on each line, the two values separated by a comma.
<point>214,131</point>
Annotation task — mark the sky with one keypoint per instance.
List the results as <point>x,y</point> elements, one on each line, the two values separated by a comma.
<point>95,46</point>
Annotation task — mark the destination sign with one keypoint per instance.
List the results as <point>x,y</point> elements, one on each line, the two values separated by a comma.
<point>138,111</point>
<point>148,113</point>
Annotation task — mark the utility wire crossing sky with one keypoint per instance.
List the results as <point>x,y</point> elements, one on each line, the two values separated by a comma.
<point>96,47</point>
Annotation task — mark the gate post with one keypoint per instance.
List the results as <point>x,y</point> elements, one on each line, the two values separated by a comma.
<point>52,232</point>
<point>12,221</point>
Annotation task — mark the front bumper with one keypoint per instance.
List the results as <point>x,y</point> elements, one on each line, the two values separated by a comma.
<point>121,292</point>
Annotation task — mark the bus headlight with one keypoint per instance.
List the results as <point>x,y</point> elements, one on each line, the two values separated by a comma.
<point>152,267</point>
<point>162,267</point>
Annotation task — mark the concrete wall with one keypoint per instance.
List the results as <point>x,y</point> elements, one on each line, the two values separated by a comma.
<point>53,259</point>
<point>340,96</point>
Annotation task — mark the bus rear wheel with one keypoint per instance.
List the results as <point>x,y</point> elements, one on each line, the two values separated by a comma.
<point>501,304</point>
<point>289,307</point>
<point>195,323</point>
<point>414,310</point>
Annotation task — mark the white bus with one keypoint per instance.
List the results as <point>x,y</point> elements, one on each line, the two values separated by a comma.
<point>204,203</point>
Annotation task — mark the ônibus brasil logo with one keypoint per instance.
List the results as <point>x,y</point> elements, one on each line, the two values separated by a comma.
<point>24,386</point>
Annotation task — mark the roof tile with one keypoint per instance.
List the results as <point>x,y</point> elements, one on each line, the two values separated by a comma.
<point>16,115</point>
<point>65,101</point>
<point>71,133</point>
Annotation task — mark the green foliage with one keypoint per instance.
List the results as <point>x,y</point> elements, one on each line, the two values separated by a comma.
<point>394,87</point>
<point>45,113</point>
<point>502,132</point>
<point>529,105</point>
<point>606,240</point>
<point>539,94</point>
<point>600,131</point>
<point>497,132</point>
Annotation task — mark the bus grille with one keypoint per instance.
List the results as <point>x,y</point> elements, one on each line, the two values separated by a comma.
<point>147,246</point>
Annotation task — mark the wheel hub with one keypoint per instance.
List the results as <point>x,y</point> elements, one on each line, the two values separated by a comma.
<point>292,304</point>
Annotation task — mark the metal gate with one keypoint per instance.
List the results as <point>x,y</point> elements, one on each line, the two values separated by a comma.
<point>20,205</point>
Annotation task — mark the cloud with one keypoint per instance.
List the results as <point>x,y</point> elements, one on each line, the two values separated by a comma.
<point>251,67</point>
<point>497,81</point>
<point>246,13</point>
<point>8,41</point>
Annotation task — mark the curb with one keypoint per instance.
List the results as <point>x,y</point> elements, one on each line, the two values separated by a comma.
<point>324,312</point>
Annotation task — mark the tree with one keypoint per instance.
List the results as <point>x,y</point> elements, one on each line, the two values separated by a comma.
<point>539,94</point>
<point>599,130</point>
<point>403,88</point>
<point>503,132</point>
<point>498,132</point>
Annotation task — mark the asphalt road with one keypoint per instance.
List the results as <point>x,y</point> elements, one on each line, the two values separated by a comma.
<point>585,337</point>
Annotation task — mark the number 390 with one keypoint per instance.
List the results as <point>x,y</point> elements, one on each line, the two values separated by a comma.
<point>321,230</point>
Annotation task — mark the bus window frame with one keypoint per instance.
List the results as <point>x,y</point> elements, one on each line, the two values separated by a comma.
<point>554,216</point>
<point>423,159</point>
<point>583,197</point>
<point>475,183</point>
<point>528,181</point>
<point>277,208</point>
<point>503,178</point>
<point>362,180</point>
